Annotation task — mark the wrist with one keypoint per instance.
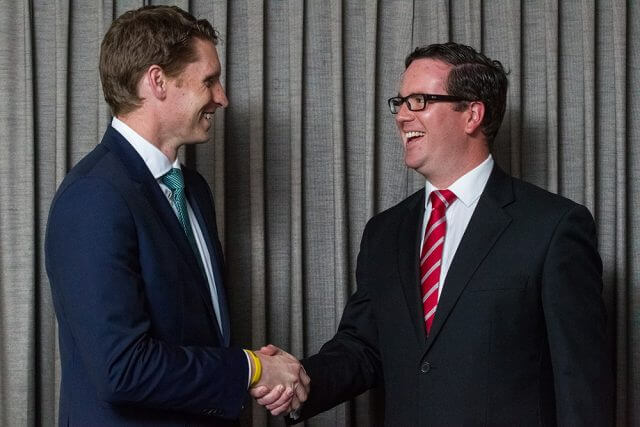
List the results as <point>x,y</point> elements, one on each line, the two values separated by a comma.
<point>256,368</point>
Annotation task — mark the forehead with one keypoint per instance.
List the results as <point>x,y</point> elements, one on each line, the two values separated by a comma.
<point>207,61</point>
<point>425,75</point>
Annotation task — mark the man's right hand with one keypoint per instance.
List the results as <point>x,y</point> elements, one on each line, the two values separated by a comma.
<point>284,384</point>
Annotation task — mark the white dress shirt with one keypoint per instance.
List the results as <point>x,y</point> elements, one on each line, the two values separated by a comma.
<point>159,165</point>
<point>467,189</point>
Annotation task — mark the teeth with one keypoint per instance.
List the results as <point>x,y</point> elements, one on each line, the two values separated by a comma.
<point>208,116</point>
<point>413,134</point>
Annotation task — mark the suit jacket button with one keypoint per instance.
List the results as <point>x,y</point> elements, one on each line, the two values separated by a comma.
<point>425,367</point>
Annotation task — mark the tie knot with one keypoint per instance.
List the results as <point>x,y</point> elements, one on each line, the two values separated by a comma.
<point>441,199</point>
<point>173,179</point>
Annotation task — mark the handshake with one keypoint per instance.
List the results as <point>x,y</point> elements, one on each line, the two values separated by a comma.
<point>283,384</point>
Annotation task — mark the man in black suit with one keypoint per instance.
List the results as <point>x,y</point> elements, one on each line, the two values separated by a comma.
<point>479,297</point>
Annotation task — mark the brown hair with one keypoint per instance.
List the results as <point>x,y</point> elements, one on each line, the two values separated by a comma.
<point>473,76</point>
<point>151,35</point>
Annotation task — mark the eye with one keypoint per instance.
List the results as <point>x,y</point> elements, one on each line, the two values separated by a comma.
<point>416,100</point>
<point>210,81</point>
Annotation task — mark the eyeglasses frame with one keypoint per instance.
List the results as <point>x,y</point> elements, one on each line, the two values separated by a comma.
<point>428,97</point>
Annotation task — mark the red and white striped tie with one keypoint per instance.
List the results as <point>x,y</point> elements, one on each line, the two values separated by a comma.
<point>431,255</point>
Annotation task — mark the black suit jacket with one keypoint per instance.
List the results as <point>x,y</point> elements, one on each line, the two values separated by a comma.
<point>519,334</point>
<point>139,340</point>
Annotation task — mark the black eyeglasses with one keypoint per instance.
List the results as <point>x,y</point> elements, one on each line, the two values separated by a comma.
<point>418,101</point>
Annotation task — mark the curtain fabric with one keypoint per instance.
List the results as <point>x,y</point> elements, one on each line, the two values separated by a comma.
<point>307,151</point>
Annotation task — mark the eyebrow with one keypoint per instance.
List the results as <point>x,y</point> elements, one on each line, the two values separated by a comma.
<point>209,79</point>
<point>212,77</point>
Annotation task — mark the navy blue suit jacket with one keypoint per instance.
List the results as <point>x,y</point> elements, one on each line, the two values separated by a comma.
<point>139,340</point>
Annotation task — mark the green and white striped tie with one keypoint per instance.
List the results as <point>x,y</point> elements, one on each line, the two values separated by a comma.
<point>175,181</point>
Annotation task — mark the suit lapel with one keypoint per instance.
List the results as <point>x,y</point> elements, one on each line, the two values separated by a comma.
<point>408,249</point>
<point>198,199</point>
<point>487,223</point>
<point>147,185</point>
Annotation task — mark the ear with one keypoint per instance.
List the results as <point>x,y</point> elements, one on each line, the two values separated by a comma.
<point>156,81</point>
<point>475,117</point>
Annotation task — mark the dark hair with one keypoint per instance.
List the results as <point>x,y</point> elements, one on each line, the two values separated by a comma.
<point>474,77</point>
<point>160,35</point>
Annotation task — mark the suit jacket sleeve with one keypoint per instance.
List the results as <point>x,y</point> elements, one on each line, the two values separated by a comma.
<point>349,363</point>
<point>94,265</point>
<point>576,323</point>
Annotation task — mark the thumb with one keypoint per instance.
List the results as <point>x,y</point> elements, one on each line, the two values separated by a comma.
<point>269,350</point>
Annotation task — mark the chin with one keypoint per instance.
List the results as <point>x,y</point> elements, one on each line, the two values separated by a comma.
<point>412,163</point>
<point>198,139</point>
<point>202,135</point>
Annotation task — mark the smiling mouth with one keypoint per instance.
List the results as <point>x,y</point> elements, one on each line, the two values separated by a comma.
<point>413,135</point>
<point>208,115</point>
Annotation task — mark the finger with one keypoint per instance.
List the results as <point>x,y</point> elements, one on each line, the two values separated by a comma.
<point>284,409</point>
<point>300,392</point>
<point>272,396</point>
<point>285,398</point>
<point>295,404</point>
<point>269,350</point>
<point>258,392</point>
<point>305,378</point>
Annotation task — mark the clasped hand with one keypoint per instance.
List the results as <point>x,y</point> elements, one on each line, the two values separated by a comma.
<point>284,384</point>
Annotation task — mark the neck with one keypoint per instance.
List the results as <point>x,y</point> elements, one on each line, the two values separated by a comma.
<point>148,128</point>
<point>445,180</point>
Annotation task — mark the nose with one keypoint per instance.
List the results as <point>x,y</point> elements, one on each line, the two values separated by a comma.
<point>219,96</point>
<point>404,114</point>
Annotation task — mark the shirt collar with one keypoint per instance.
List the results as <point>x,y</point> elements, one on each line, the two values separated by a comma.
<point>469,186</point>
<point>156,161</point>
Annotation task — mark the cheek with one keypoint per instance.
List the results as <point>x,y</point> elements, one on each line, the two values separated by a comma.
<point>427,118</point>
<point>180,104</point>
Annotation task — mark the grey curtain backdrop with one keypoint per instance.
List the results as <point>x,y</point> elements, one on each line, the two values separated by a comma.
<point>307,152</point>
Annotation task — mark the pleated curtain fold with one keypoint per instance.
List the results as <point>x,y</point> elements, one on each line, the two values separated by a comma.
<point>307,152</point>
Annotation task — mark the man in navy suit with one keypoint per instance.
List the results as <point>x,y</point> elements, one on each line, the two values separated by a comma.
<point>132,250</point>
<point>479,296</point>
